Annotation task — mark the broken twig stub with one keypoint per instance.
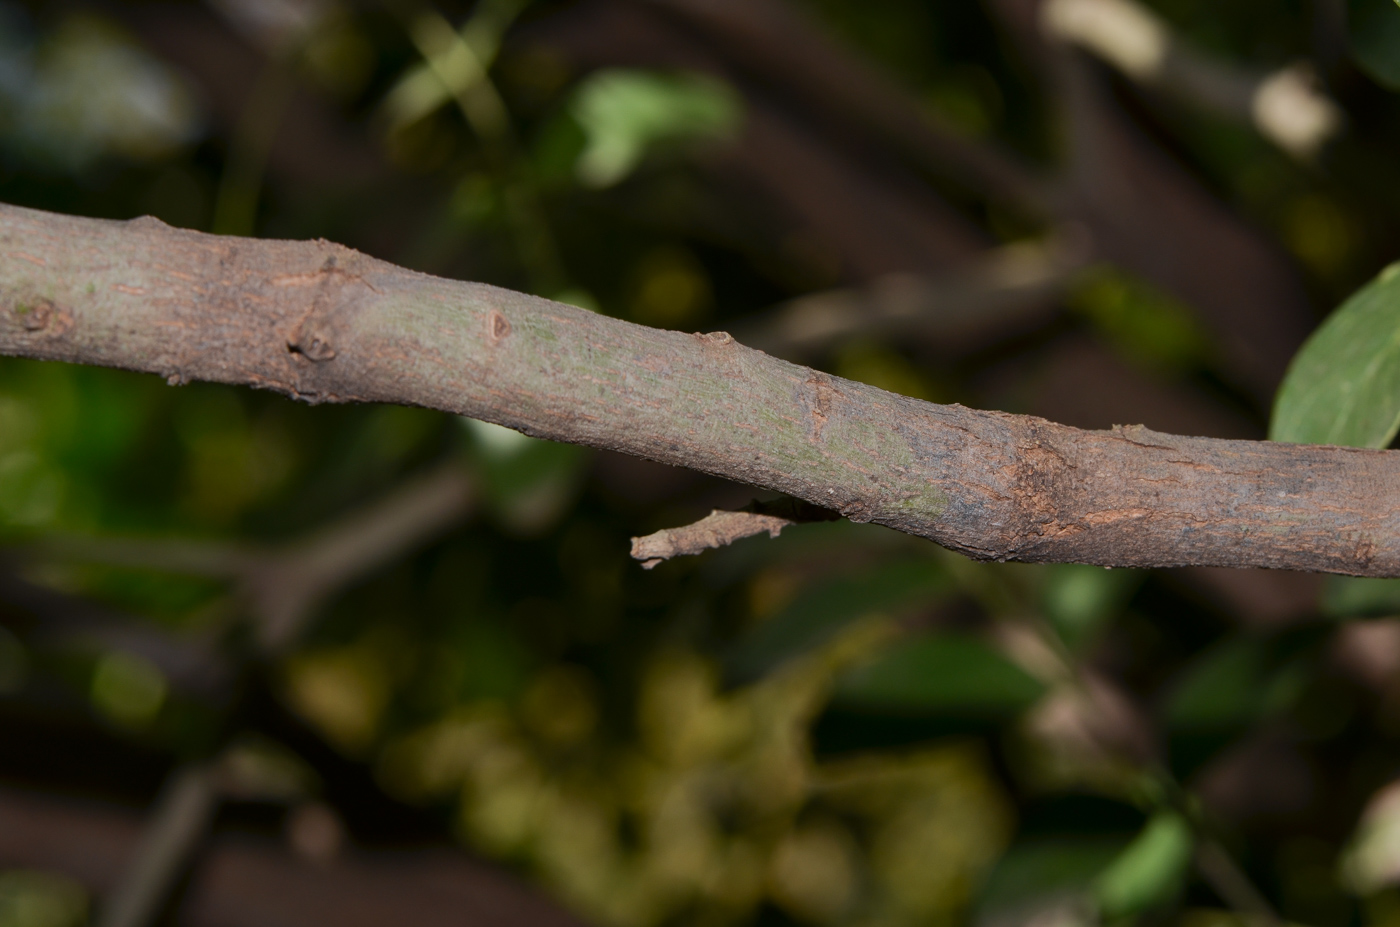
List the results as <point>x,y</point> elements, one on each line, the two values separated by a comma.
<point>718,529</point>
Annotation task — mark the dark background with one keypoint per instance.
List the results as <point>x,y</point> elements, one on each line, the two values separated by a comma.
<point>497,717</point>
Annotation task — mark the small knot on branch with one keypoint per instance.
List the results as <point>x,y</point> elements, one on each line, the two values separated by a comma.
<point>35,318</point>
<point>315,349</point>
<point>497,327</point>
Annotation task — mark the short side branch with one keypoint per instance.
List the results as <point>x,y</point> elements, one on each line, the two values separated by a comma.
<point>720,529</point>
<point>717,529</point>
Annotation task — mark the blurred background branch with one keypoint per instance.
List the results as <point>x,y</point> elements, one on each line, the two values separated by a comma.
<point>1017,286</point>
<point>284,585</point>
<point>1286,106</point>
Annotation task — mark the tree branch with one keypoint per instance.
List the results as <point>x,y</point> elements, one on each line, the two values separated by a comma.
<point>1008,286</point>
<point>1150,216</point>
<point>1285,105</point>
<point>323,323</point>
<point>176,828</point>
<point>772,38</point>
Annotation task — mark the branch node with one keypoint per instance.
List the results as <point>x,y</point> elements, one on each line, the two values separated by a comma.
<point>316,349</point>
<point>497,327</point>
<point>36,317</point>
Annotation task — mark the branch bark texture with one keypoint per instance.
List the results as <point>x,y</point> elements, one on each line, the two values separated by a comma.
<point>323,323</point>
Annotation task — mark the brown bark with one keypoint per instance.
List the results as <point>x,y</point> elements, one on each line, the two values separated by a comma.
<point>323,323</point>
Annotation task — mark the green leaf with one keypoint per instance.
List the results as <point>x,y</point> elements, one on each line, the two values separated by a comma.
<point>625,113</point>
<point>1141,322</point>
<point>1375,40</point>
<point>1343,387</point>
<point>1232,685</point>
<point>941,674</point>
<point>1079,600</point>
<point>1354,597</point>
<point>1150,871</point>
<point>816,615</point>
<point>1045,869</point>
<point>557,146</point>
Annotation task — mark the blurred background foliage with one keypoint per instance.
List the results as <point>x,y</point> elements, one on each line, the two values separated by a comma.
<point>840,726</point>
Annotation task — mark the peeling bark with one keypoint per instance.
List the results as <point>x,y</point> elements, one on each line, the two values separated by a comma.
<point>323,323</point>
